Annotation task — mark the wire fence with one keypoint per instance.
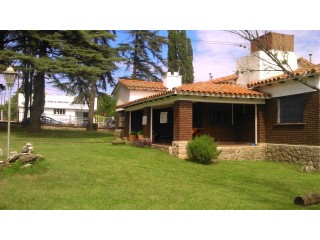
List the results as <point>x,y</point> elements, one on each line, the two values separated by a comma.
<point>52,119</point>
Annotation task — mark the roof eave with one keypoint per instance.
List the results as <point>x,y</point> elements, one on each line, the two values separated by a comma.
<point>232,97</point>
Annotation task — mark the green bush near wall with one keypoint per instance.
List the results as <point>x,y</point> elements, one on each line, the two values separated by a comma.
<point>202,149</point>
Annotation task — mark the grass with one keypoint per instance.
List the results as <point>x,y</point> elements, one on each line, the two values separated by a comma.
<point>83,170</point>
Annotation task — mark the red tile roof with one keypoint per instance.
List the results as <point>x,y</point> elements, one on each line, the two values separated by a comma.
<point>142,85</point>
<point>207,88</point>
<point>284,77</point>
<point>158,95</point>
<point>305,63</point>
<point>230,79</point>
<point>219,89</point>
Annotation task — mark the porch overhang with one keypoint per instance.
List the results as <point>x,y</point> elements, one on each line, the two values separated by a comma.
<point>216,98</point>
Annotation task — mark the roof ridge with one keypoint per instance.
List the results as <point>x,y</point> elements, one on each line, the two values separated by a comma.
<point>302,59</point>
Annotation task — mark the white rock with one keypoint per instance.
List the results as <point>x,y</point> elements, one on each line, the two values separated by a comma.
<point>26,165</point>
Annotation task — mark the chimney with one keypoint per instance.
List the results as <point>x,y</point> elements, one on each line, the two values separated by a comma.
<point>172,80</point>
<point>275,41</point>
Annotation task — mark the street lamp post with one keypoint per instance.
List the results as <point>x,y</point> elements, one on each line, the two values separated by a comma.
<point>10,76</point>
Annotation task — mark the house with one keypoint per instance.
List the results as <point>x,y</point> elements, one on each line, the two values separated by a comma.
<point>268,114</point>
<point>60,108</point>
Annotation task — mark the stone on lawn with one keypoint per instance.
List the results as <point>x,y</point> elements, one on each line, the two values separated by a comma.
<point>27,158</point>
<point>26,165</point>
<point>308,169</point>
<point>13,158</point>
<point>25,149</point>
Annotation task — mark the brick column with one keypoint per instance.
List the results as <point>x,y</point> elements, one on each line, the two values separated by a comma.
<point>116,118</point>
<point>182,123</point>
<point>126,124</point>
<point>261,123</point>
<point>146,128</point>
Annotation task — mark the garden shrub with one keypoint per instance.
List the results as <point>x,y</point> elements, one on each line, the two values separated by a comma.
<point>202,149</point>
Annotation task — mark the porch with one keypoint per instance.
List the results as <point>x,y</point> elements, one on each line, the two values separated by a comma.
<point>227,123</point>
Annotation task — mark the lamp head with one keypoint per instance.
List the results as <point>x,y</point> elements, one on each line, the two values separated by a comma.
<point>10,76</point>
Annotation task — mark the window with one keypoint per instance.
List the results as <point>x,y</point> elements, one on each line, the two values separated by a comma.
<point>59,111</point>
<point>291,109</point>
<point>219,117</point>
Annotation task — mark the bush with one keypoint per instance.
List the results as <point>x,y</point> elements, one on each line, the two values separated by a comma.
<point>133,132</point>
<point>202,149</point>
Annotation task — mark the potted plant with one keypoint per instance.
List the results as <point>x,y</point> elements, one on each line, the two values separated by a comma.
<point>132,135</point>
<point>140,134</point>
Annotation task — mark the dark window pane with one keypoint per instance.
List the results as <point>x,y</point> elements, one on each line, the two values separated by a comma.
<point>291,109</point>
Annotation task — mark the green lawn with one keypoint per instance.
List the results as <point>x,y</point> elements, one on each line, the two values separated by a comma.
<point>83,170</point>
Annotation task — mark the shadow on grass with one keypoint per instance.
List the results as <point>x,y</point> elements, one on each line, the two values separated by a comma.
<point>56,134</point>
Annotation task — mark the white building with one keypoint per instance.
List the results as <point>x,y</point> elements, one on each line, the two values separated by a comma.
<point>60,108</point>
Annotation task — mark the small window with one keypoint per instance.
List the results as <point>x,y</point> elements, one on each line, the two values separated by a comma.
<point>291,109</point>
<point>59,111</point>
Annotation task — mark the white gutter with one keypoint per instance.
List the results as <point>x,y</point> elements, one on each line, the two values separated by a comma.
<point>255,124</point>
<point>129,123</point>
<point>151,120</point>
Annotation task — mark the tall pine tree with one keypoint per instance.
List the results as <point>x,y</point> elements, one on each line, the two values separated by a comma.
<point>180,55</point>
<point>143,54</point>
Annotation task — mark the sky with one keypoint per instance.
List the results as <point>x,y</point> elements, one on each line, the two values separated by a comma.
<point>216,52</point>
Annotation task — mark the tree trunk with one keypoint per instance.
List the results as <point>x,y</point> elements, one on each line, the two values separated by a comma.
<point>38,102</point>
<point>91,105</point>
<point>27,96</point>
<point>37,107</point>
<point>135,57</point>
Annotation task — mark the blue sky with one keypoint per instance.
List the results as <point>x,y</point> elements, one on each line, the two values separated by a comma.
<point>216,51</point>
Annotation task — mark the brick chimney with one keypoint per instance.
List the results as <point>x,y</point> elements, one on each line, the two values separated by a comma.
<point>274,41</point>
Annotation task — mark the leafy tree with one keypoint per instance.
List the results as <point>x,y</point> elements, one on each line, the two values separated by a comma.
<point>143,54</point>
<point>106,105</point>
<point>80,56</point>
<point>180,55</point>
<point>14,108</point>
<point>94,67</point>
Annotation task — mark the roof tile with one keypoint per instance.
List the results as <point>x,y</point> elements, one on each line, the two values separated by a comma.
<point>142,85</point>
<point>210,88</point>
<point>230,79</point>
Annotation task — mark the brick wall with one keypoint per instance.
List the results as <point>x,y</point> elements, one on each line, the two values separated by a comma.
<point>182,130</point>
<point>312,119</point>
<point>308,134</point>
